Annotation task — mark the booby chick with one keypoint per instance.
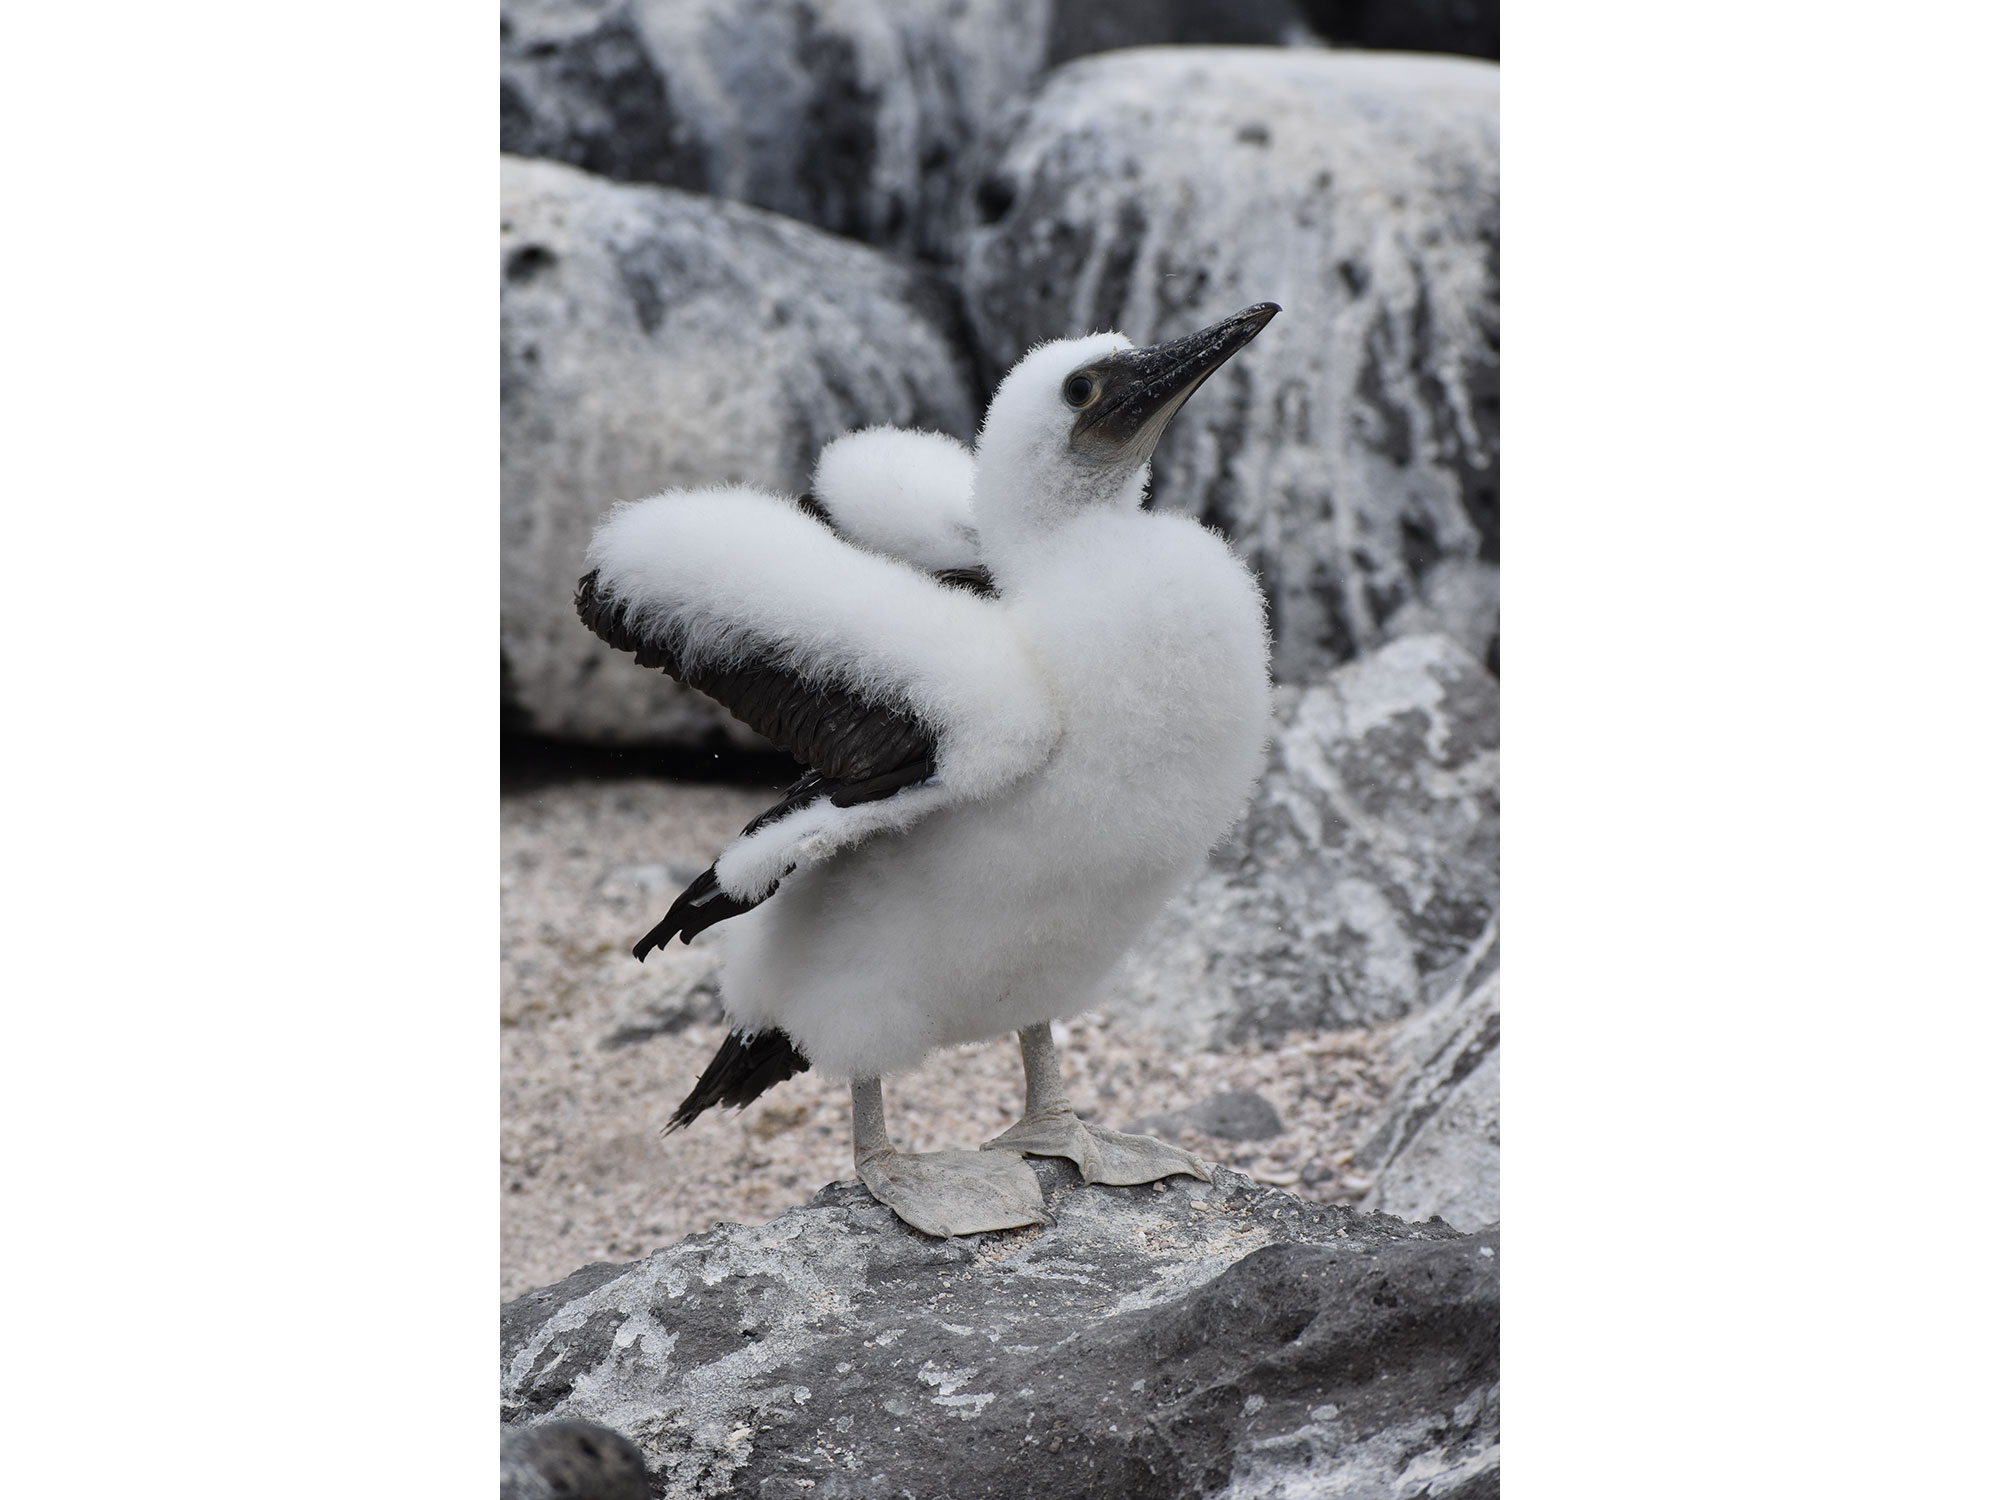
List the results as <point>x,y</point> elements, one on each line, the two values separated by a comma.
<point>1029,712</point>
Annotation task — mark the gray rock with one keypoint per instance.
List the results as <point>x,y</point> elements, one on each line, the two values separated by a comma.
<point>570,1461</point>
<point>1355,446</point>
<point>1079,27</point>
<point>1239,1115</point>
<point>1460,597</point>
<point>1369,860</point>
<point>1437,1150</point>
<point>854,115</point>
<point>652,339</point>
<point>1192,1340</point>
<point>655,1014</point>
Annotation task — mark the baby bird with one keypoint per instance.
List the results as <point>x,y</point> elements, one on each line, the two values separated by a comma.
<point>1029,708</point>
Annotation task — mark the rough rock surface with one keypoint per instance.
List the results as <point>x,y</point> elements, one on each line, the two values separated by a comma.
<point>1355,445</point>
<point>1190,1339</point>
<point>1369,860</point>
<point>570,1461</point>
<point>652,339</point>
<point>854,115</point>
<point>1437,1150</point>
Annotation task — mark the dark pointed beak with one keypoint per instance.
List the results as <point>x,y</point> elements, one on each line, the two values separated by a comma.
<point>1127,399</point>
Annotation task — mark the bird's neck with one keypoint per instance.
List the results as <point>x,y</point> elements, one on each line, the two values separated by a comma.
<point>1022,523</point>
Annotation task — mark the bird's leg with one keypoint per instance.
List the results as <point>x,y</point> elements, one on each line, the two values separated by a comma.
<point>1050,1128</point>
<point>1044,1071</point>
<point>941,1192</point>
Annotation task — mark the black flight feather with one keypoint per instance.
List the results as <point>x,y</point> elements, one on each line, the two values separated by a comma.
<point>826,725</point>
<point>978,578</point>
<point>747,1063</point>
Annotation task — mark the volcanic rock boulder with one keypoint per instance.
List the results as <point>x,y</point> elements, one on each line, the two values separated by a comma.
<point>651,339</point>
<point>1354,446</point>
<point>1437,1150</point>
<point>1369,861</point>
<point>854,115</point>
<point>1154,1343</point>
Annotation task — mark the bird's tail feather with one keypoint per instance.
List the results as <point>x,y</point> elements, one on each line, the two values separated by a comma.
<point>747,1063</point>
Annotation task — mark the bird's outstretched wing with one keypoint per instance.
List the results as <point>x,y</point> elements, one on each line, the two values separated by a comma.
<point>902,694</point>
<point>900,494</point>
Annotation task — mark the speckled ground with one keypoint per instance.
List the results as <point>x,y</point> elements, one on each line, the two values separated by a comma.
<point>596,1050</point>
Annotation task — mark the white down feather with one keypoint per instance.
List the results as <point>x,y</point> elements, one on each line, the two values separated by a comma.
<point>902,494</point>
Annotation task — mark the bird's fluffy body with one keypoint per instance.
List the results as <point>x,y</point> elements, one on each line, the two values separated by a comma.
<point>995,913</point>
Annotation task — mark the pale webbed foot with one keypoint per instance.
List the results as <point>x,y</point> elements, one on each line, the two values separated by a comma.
<point>1108,1156</point>
<point>955,1192</point>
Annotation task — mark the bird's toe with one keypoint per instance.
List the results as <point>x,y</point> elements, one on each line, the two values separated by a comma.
<point>1051,1133</point>
<point>1127,1160</point>
<point>1108,1156</point>
<point>956,1192</point>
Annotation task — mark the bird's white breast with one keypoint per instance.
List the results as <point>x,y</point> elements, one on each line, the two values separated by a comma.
<point>1153,639</point>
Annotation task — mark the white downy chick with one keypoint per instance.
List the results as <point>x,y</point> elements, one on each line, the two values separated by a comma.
<point>1036,772</point>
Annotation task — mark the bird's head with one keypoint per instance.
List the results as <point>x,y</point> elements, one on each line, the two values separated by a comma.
<point>1073,426</point>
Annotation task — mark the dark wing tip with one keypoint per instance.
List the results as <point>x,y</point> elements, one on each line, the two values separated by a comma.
<point>588,603</point>
<point>604,617</point>
<point>696,909</point>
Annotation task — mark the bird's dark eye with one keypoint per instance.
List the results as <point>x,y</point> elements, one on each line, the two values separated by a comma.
<point>1078,389</point>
